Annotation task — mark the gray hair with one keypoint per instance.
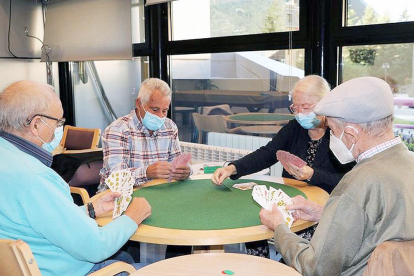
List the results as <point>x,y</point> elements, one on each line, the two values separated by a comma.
<point>375,128</point>
<point>22,100</point>
<point>150,85</point>
<point>312,85</point>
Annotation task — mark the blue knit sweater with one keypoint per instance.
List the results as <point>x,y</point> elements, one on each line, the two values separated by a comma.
<point>36,207</point>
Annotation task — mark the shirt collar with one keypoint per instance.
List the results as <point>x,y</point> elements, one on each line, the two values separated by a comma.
<point>28,147</point>
<point>379,148</point>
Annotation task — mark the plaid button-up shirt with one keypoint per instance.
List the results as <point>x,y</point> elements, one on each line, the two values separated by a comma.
<point>127,144</point>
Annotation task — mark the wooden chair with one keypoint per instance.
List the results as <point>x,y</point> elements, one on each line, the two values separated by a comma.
<point>16,258</point>
<point>78,138</point>
<point>84,195</point>
<point>211,123</point>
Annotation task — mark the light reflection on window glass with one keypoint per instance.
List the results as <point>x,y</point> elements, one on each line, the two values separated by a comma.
<point>368,12</point>
<point>138,21</point>
<point>245,82</point>
<point>215,18</point>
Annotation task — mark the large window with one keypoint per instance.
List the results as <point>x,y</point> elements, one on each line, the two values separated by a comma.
<point>242,83</point>
<point>217,18</point>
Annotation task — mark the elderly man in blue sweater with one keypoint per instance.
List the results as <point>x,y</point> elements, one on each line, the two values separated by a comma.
<point>36,205</point>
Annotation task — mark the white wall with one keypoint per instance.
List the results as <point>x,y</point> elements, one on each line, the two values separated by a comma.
<point>121,81</point>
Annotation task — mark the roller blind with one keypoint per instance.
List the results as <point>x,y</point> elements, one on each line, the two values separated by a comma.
<point>78,30</point>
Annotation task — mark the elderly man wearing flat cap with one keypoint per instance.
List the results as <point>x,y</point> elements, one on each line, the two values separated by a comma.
<point>373,203</point>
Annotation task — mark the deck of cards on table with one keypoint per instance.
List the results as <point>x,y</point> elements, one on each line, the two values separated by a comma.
<point>267,197</point>
<point>286,157</point>
<point>121,181</point>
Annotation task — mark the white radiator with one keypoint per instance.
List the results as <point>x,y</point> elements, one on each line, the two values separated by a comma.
<point>206,153</point>
<point>243,142</point>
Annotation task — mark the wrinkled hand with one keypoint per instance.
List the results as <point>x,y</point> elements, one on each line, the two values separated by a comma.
<point>105,203</point>
<point>305,209</point>
<point>304,173</point>
<point>138,210</point>
<point>271,219</point>
<point>180,172</point>
<point>222,173</point>
<point>160,169</point>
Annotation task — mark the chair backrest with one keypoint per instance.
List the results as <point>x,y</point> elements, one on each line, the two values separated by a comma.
<point>209,123</point>
<point>222,109</point>
<point>16,258</point>
<point>391,258</point>
<point>78,138</point>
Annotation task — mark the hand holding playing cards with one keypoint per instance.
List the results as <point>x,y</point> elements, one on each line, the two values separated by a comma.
<point>305,209</point>
<point>304,173</point>
<point>271,218</point>
<point>180,172</point>
<point>160,169</point>
<point>294,165</point>
<point>105,203</point>
<point>179,167</point>
<point>138,210</point>
<point>222,173</point>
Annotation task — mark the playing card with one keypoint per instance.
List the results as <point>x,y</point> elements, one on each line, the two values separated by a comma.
<point>267,197</point>
<point>121,181</point>
<point>245,186</point>
<point>285,157</point>
<point>181,160</point>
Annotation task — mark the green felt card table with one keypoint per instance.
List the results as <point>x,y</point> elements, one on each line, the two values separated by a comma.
<point>195,212</point>
<point>259,118</point>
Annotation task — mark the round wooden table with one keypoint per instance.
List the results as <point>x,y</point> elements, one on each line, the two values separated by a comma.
<point>158,235</point>
<point>259,118</point>
<point>217,264</point>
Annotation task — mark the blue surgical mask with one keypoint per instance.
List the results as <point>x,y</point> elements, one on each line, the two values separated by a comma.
<point>307,121</point>
<point>52,145</point>
<point>151,121</point>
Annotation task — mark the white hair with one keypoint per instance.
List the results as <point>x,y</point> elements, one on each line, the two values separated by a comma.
<point>21,100</point>
<point>375,128</point>
<point>312,85</point>
<point>150,85</point>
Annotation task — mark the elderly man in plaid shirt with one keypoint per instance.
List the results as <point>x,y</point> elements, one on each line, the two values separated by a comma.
<point>145,141</point>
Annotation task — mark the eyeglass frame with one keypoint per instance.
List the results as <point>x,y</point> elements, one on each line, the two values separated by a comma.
<point>60,122</point>
<point>295,110</point>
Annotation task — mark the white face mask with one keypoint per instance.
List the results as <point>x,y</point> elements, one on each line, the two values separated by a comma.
<point>341,152</point>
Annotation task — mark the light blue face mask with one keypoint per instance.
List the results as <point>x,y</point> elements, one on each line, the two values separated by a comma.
<point>151,121</point>
<point>307,121</point>
<point>52,145</point>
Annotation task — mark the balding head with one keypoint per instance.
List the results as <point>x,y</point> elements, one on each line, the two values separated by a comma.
<point>22,100</point>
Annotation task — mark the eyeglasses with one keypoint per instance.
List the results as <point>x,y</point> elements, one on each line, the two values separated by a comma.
<point>60,122</point>
<point>304,110</point>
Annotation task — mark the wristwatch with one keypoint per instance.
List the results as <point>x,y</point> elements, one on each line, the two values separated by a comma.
<point>91,210</point>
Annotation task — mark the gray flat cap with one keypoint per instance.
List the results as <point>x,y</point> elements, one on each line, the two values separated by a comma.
<point>360,100</point>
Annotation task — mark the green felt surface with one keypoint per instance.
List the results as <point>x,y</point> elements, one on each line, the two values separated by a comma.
<point>199,205</point>
<point>262,117</point>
